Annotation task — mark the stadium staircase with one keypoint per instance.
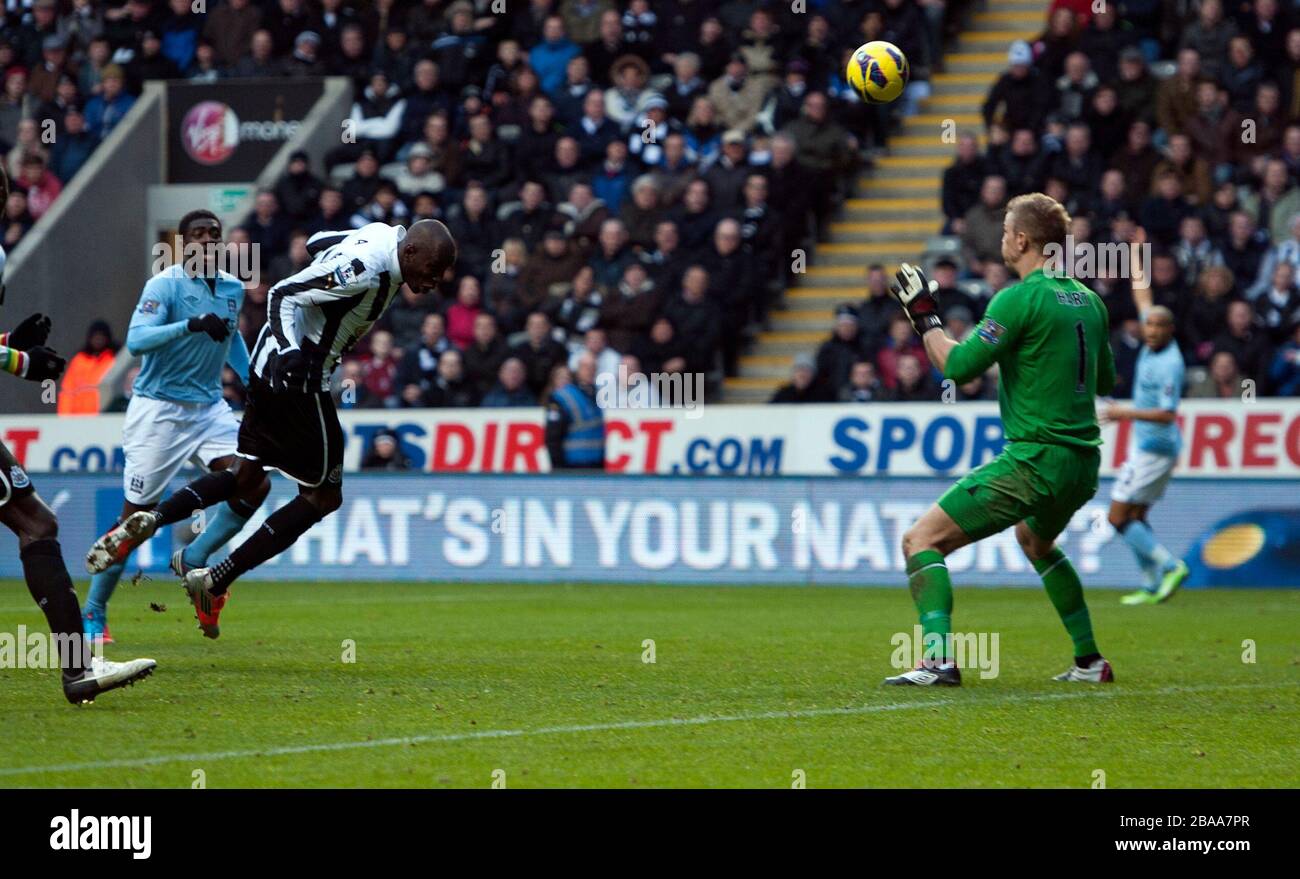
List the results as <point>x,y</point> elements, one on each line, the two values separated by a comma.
<point>895,206</point>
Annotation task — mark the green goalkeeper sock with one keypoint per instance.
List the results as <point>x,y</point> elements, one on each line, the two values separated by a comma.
<point>1062,584</point>
<point>927,576</point>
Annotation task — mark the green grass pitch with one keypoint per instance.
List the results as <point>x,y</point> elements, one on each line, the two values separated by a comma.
<point>750,685</point>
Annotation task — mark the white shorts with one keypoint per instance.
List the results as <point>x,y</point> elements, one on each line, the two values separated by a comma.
<point>1143,478</point>
<point>159,437</point>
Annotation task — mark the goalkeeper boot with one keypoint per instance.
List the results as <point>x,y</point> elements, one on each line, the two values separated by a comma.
<point>1097,672</point>
<point>120,540</point>
<point>1172,579</point>
<point>207,607</point>
<point>103,675</point>
<point>945,675</point>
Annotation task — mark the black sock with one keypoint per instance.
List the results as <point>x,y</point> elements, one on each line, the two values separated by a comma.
<point>1085,661</point>
<point>279,532</point>
<point>209,489</point>
<point>242,507</point>
<point>51,587</point>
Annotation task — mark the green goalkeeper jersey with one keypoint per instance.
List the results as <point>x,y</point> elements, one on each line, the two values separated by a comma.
<point>1049,337</point>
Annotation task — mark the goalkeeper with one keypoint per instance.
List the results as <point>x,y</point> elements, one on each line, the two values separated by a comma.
<point>1048,336</point>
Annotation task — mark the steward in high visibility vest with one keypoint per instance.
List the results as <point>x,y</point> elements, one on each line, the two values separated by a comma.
<point>575,426</point>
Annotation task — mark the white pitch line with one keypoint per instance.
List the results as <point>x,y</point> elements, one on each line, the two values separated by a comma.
<point>324,747</point>
<point>324,599</point>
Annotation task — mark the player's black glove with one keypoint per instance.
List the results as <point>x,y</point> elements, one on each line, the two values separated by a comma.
<point>290,373</point>
<point>210,324</point>
<point>31,333</point>
<point>43,363</point>
<point>916,295</point>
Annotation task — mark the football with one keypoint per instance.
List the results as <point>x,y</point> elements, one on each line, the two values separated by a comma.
<point>878,71</point>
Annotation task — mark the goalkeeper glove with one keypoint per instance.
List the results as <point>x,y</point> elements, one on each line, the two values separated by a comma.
<point>916,295</point>
<point>210,324</point>
<point>31,333</point>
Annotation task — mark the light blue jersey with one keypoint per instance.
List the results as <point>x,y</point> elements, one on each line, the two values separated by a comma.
<point>1158,384</point>
<point>180,366</point>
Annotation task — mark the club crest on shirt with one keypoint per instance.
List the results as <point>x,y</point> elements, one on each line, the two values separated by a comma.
<point>344,275</point>
<point>990,331</point>
<point>18,477</point>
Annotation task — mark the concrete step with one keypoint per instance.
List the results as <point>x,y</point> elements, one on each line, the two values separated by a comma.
<point>867,209</point>
<point>803,319</point>
<point>827,298</point>
<point>928,144</point>
<point>791,341</point>
<point>885,229</point>
<point>903,164</point>
<point>766,366</point>
<point>742,395</point>
<point>994,40</point>
<point>938,124</point>
<point>1003,19</point>
<point>860,255</point>
<point>948,79</point>
<point>925,186</point>
<point>973,89</point>
<point>982,60</point>
<point>822,276</point>
<point>955,102</point>
<point>910,163</point>
<point>822,305</point>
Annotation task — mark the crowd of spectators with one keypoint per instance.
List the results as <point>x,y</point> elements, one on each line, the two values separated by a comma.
<point>1180,119</point>
<point>61,93</point>
<point>626,179</point>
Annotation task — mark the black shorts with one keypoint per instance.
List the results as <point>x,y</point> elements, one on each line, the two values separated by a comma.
<point>14,481</point>
<point>297,434</point>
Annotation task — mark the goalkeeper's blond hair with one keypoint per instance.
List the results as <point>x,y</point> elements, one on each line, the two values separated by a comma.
<point>1041,218</point>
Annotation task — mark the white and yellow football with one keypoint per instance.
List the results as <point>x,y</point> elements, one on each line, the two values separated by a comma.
<point>878,71</point>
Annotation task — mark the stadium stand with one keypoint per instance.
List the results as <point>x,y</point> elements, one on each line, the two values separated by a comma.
<point>1183,119</point>
<point>596,151</point>
<point>598,161</point>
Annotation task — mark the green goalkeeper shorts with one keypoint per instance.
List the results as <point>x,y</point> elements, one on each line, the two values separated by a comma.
<point>1040,484</point>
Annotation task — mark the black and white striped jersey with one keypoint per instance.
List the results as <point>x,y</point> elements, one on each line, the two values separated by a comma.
<point>325,308</point>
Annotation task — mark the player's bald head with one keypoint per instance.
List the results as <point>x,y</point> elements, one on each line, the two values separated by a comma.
<point>433,237</point>
<point>425,255</point>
